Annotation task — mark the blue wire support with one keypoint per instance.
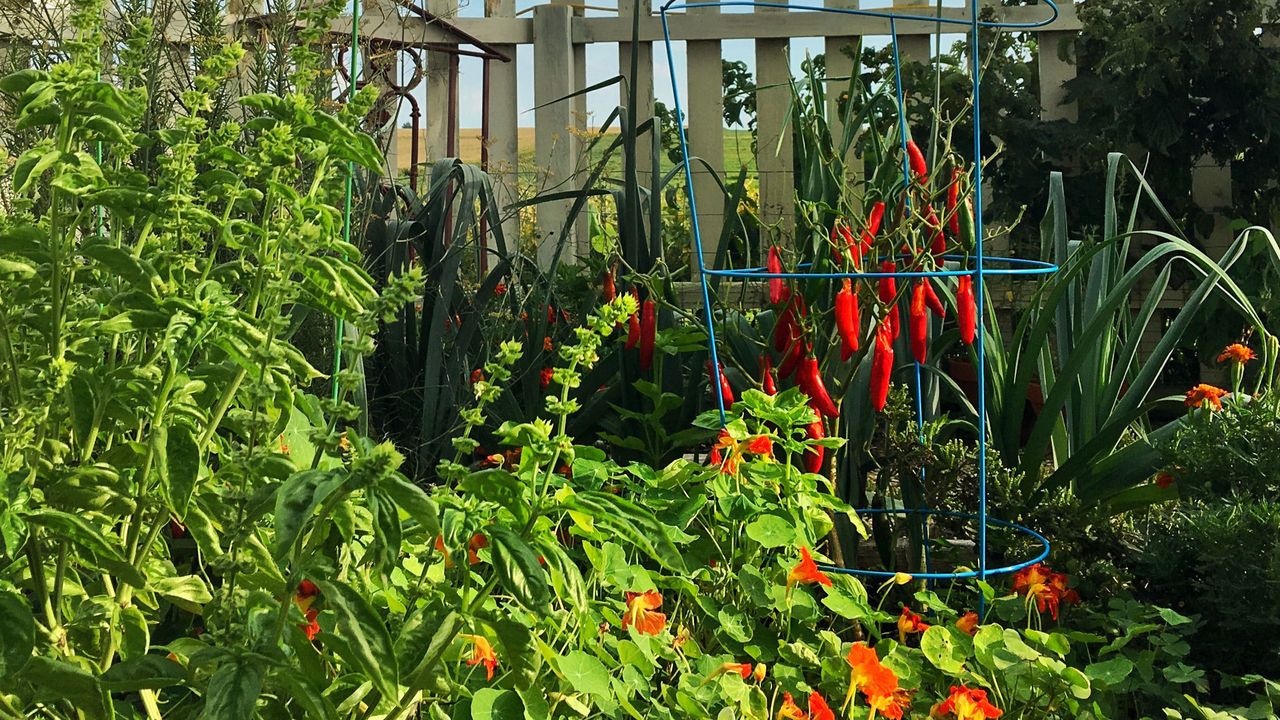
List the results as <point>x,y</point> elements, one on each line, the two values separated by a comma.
<point>978,266</point>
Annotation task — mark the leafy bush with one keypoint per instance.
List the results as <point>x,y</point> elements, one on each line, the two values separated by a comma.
<point>1229,454</point>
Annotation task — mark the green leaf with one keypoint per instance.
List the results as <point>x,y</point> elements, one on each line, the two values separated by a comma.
<point>1109,672</point>
<point>519,571</point>
<point>499,486</point>
<point>942,650</point>
<point>415,502</point>
<point>64,681</point>
<point>187,592</point>
<point>585,674</point>
<point>296,501</point>
<point>494,704</point>
<point>143,673</point>
<point>178,474</point>
<point>772,531</point>
<point>17,633</point>
<point>366,638</point>
<point>233,691</point>
<point>631,523</point>
<point>1172,617</point>
<point>79,531</point>
<point>302,688</point>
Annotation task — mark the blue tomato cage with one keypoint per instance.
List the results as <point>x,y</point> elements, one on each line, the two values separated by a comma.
<point>977,266</point>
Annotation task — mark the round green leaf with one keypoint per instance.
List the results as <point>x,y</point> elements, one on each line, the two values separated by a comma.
<point>584,673</point>
<point>772,531</point>
<point>494,704</point>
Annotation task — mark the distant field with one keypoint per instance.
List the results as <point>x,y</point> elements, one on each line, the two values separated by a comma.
<point>737,150</point>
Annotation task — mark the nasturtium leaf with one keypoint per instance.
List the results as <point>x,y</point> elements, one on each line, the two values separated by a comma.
<point>734,624</point>
<point>772,531</point>
<point>1109,672</point>
<point>17,633</point>
<point>1078,682</point>
<point>518,570</point>
<point>367,639</point>
<point>585,674</point>
<point>840,602</point>
<point>1172,617</point>
<point>495,704</point>
<point>941,649</point>
<point>1014,643</point>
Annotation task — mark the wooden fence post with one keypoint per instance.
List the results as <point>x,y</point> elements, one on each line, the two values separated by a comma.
<point>504,125</point>
<point>554,144</point>
<point>643,82</point>
<point>705,122</point>
<point>438,91</point>
<point>840,65</point>
<point>774,149</point>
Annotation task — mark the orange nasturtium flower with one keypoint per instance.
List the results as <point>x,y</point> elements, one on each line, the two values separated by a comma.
<point>966,704</point>
<point>968,623</point>
<point>1201,394</point>
<point>312,626</point>
<point>1237,353</point>
<point>870,677</point>
<point>806,571</point>
<point>728,452</point>
<point>477,541</point>
<point>818,708</point>
<point>305,595</point>
<point>482,652</point>
<point>641,613</point>
<point>892,704</point>
<point>758,445</point>
<point>1164,480</point>
<point>789,709</point>
<point>743,669</point>
<point>1048,588</point>
<point>547,344</point>
<point>909,623</point>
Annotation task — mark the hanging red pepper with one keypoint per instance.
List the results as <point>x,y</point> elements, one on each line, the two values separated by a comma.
<point>815,454</point>
<point>889,295</point>
<point>783,329</point>
<point>793,360</point>
<point>966,309</point>
<point>648,330</point>
<point>633,323</point>
<point>551,315</point>
<point>931,299</point>
<point>777,286</point>
<point>726,390</point>
<point>847,320</point>
<point>938,245</point>
<point>870,232</point>
<point>766,380</point>
<point>842,243</point>
<point>953,200</point>
<point>918,316</point>
<point>610,288</point>
<point>811,384</point>
<point>919,167</point>
<point>881,366</point>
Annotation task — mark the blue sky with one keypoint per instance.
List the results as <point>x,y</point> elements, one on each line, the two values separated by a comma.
<point>602,63</point>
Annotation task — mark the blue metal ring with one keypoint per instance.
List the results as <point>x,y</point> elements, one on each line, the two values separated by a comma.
<point>1015,266</point>
<point>883,14</point>
<point>1044,549</point>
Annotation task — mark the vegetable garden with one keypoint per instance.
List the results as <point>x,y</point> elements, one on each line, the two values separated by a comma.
<point>284,436</point>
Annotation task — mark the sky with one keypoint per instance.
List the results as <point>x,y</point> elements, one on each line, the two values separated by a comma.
<point>602,63</point>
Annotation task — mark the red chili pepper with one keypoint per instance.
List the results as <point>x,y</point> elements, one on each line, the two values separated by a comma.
<point>766,371</point>
<point>966,309</point>
<point>847,320</point>
<point>551,315</point>
<point>792,362</point>
<point>931,299</point>
<point>881,366</point>
<point>938,245</point>
<point>610,288</point>
<point>633,324</point>
<point>919,323</point>
<point>919,167</point>
<point>814,456</point>
<point>953,200</point>
<point>726,390</point>
<point>648,329</point>
<point>869,233</point>
<point>777,286</point>
<point>889,295</point>
<point>783,329</point>
<point>812,385</point>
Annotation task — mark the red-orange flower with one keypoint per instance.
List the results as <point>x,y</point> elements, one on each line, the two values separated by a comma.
<point>1237,353</point>
<point>641,613</point>
<point>968,623</point>
<point>545,379</point>
<point>789,709</point>
<point>725,453</point>
<point>967,704</point>
<point>477,541</point>
<point>818,708</point>
<point>758,445</point>
<point>743,669</point>
<point>482,653</point>
<point>1201,394</point>
<point>500,289</point>
<point>1048,588</point>
<point>891,704</point>
<point>547,344</point>
<point>806,571</point>
<point>909,623</point>
<point>477,375</point>
<point>870,677</point>
<point>305,595</point>
<point>312,626</point>
<point>1164,480</point>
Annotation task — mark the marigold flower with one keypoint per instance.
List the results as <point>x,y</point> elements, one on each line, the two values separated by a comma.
<point>968,623</point>
<point>1164,480</point>
<point>1201,394</point>
<point>909,623</point>
<point>482,653</point>
<point>641,613</point>
<point>305,595</point>
<point>312,627</point>
<point>806,571</point>
<point>789,709</point>
<point>967,704</point>
<point>818,707</point>
<point>1237,353</point>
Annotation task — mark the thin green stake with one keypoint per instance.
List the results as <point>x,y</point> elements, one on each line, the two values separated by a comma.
<point>338,328</point>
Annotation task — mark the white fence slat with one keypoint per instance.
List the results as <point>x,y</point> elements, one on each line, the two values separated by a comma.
<point>554,144</point>
<point>774,151</point>
<point>503,141</point>
<point>704,120</point>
